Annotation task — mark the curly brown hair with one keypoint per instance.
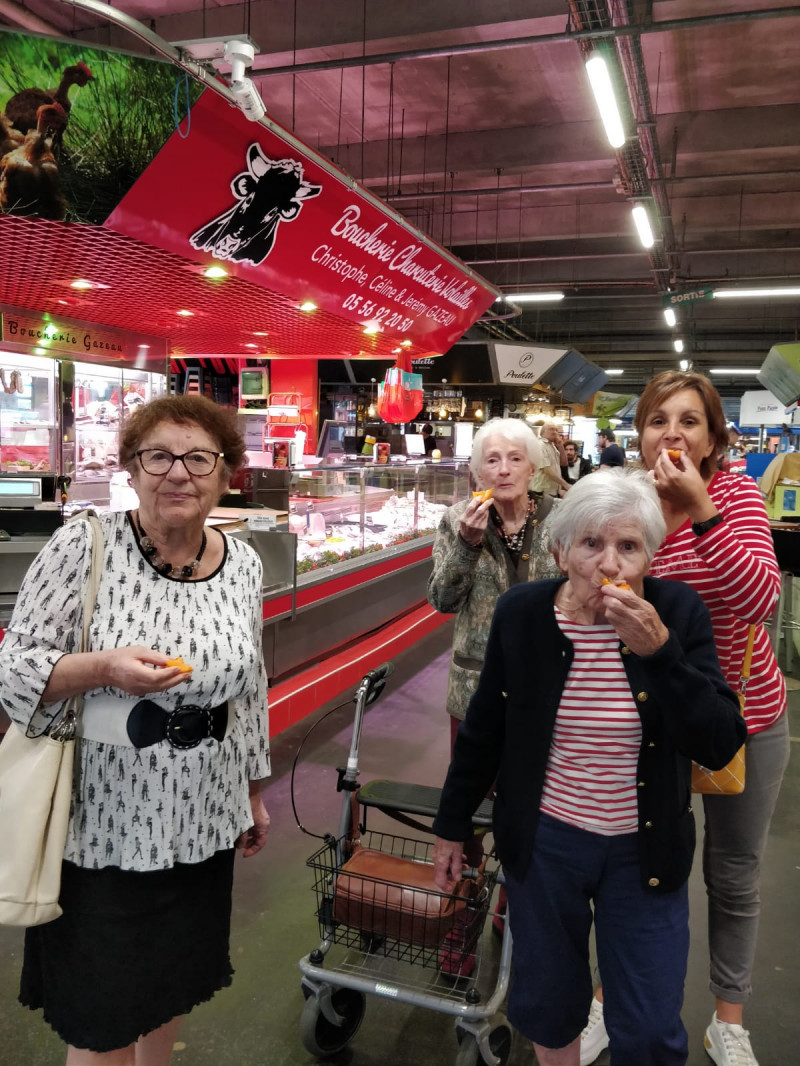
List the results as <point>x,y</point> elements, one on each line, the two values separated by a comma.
<point>218,422</point>
<point>666,384</point>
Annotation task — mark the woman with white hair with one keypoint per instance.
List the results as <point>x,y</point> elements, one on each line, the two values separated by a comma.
<point>485,545</point>
<point>596,693</point>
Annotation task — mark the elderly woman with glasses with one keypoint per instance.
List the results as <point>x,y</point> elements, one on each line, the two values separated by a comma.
<point>173,744</point>
<point>597,691</point>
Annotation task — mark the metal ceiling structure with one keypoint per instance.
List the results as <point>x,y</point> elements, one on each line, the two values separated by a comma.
<point>476,121</point>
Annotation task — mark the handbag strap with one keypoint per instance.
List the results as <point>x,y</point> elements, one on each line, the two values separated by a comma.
<point>748,656</point>
<point>65,729</point>
<point>94,575</point>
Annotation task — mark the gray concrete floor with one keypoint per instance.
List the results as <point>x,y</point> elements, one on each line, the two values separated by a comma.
<point>256,1021</point>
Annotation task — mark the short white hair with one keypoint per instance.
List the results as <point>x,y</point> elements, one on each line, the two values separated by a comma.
<point>515,431</point>
<point>598,499</point>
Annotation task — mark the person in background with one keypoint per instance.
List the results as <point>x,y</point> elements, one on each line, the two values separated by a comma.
<point>734,459</point>
<point>611,454</point>
<point>170,757</point>
<point>596,693</point>
<point>719,541</point>
<point>482,548</point>
<point>576,467</point>
<point>548,480</point>
<point>428,438</point>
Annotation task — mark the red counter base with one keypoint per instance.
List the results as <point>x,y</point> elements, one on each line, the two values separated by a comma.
<point>292,700</point>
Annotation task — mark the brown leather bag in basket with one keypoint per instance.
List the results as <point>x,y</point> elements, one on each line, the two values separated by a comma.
<point>389,896</point>
<point>729,781</point>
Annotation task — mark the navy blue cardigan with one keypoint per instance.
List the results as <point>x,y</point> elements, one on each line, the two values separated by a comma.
<point>686,708</point>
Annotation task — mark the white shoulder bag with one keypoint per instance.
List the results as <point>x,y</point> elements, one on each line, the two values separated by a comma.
<point>36,792</point>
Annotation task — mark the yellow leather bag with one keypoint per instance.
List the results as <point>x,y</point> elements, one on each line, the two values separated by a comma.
<point>729,781</point>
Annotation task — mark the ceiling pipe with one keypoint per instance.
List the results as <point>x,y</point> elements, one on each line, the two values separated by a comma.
<point>438,194</point>
<point>578,186</point>
<point>20,16</point>
<point>636,252</point>
<point>472,48</point>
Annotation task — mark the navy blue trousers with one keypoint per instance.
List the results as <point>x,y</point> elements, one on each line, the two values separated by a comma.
<point>642,939</point>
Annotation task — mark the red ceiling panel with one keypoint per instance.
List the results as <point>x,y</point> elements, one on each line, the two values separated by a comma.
<point>142,288</point>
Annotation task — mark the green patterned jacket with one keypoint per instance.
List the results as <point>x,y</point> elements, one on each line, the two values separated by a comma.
<point>468,584</point>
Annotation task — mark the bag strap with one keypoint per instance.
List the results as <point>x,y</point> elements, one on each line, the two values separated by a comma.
<point>65,729</point>
<point>744,677</point>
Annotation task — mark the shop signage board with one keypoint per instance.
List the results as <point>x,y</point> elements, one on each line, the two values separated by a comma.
<point>44,335</point>
<point>255,200</point>
<point>522,364</point>
<point>675,299</point>
<point>761,408</point>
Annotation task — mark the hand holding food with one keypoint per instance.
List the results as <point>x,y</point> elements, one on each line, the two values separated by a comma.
<point>181,665</point>
<point>483,494</point>
<point>674,454</point>
<point>618,584</point>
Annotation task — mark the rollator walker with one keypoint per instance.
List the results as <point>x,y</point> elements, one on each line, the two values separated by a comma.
<point>388,931</point>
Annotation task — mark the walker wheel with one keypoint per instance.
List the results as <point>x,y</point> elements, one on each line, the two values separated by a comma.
<point>469,1053</point>
<point>322,1037</point>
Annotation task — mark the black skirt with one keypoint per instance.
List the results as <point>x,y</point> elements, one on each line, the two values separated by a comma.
<point>131,950</point>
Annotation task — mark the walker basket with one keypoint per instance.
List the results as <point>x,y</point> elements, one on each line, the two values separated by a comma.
<point>383,899</point>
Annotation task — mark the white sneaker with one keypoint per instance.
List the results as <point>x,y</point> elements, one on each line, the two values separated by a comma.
<point>728,1045</point>
<point>594,1037</point>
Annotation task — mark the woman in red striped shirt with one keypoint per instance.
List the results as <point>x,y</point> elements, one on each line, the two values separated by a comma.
<point>719,541</point>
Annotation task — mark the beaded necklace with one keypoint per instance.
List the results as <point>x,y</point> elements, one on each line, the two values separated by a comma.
<point>513,541</point>
<point>183,573</point>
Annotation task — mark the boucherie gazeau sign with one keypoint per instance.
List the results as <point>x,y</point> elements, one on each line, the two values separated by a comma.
<point>277,215</point>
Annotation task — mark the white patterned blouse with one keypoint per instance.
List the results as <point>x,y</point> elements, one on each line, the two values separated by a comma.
<point>147,808</point>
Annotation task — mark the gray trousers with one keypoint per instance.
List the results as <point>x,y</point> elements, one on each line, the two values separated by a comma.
<point>736,829</point>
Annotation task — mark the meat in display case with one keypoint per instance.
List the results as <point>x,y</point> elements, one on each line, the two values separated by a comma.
<point>27,420</point>
<point>340,513</point>
<point>102,399</point>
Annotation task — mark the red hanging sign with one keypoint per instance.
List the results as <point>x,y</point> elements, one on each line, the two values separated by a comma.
<point>236,192</point>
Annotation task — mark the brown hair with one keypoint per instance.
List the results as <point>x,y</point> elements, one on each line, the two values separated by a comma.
<point>219,422</point>
<point>664,385</point>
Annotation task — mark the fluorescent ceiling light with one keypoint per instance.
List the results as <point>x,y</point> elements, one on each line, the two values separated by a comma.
<point>643,227</point>
<point>669,315</point>
<point>603,90</point>
<point>678,345</point>
<point>721,294</point>
<point>533,297</point>
<point>744,371</point>
<point>614,373</point>
<point>685,365</point>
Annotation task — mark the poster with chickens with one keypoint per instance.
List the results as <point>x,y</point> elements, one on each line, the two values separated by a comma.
<point>79,125</point>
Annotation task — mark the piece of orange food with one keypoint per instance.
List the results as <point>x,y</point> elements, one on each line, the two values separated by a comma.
<point>674,454</point>
<point>182,666</point>
<point>483,494</point>
<point>619,584</point>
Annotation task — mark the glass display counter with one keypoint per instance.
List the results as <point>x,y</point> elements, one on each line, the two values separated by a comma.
<point>102,397</point>
<point>343,512</point>
<point>28,437</point>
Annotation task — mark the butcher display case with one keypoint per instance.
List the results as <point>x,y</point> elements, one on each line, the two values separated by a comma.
<point>343,512</point>
<point>102,398</point>
<point>364,539</point>
<point>28,430</point>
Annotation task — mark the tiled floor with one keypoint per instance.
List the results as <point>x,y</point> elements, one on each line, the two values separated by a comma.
<point>256,1021</point>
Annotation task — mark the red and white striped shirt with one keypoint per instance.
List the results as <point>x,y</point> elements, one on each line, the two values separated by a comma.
<point>733,568</point>
<point>591,773</point>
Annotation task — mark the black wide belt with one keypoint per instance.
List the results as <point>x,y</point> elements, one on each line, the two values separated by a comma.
<point>183,727</point>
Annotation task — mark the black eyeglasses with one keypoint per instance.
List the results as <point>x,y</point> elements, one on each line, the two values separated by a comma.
<point>198,462</point>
